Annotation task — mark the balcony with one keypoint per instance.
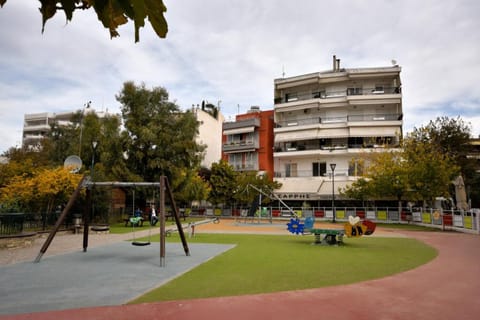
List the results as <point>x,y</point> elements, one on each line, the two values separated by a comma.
<point>240,146</point>
<point>307,174</point>
<point>351,118</point>
<point>254,122</point>
<point>299,96</point>
<point>249,166</point>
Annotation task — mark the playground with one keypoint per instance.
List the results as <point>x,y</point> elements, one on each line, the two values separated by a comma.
<point>436,290</point>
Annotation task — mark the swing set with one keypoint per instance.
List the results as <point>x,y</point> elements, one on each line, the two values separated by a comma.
<point>88,184</point>
<point>136,221</point>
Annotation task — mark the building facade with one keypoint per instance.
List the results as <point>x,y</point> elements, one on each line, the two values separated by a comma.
<point>209,134</point>
<point>247,142</point>
<point>326,121</point>
<point>37,125</point>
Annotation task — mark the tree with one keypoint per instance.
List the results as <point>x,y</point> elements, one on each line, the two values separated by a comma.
<point>41,192</point>
<point>419,171</point>
<point>111,13</point>
<point>245,193</point>
<point>223,183</point>
<point>429,170</point>
<point>158,138</point>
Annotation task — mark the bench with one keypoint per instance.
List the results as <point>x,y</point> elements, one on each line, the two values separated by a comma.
<point>331,236</point>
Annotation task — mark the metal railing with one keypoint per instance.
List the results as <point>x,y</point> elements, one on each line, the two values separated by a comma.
<point>326,120</point>
<point>326,94</point>
<point>458,220</point>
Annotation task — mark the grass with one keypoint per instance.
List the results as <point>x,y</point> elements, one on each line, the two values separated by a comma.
<point>271,263</point>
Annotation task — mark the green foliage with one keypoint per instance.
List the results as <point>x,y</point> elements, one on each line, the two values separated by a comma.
<point>262,263</point>
<point>429,170</point>
<point>190,187</point>
<point>245,194</point>
<point>158,138</point>
<point>418,171</point>
<point>111,13</point>
<point>222,183</point>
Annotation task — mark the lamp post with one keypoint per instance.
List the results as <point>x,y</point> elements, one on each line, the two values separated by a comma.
<point>332,166</point>
<point>86,106</point>
<point>94,148</point>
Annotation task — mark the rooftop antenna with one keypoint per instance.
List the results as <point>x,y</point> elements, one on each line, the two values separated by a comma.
<point>283,71</point>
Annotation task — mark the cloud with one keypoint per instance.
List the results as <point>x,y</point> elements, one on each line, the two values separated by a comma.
<point>231,52</point>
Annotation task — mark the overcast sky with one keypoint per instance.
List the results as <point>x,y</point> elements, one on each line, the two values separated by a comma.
<point>229,52</point>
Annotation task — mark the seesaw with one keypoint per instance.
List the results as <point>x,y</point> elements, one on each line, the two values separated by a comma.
<point>353,228</point>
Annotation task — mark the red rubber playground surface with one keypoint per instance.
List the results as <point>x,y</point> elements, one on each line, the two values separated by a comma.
<point>448,287</point>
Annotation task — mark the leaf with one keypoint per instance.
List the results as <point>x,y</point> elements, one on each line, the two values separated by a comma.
<point>140,15</point>
<point>68,6</point>
<point>155,10</point>
<point>2,2</point>
<point>48,10</point>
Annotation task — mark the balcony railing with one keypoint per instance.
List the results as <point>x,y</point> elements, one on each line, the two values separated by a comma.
<point>241,144</point>
<point>335,94</point>
<point>315,147</point>
<point>308,174</point>
<point>245,166</point>
<point>352,118</point>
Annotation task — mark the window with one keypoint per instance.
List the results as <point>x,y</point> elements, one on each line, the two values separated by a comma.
<point>291,170</point>
<point>319,94</point>
<point>319,169</point>
<point>353,91</point>
<point>291,97</point>
<point>355,167</point>
<point>378,89</point>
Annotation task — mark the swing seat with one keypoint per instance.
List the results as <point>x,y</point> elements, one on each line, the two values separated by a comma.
<point>140,243</point>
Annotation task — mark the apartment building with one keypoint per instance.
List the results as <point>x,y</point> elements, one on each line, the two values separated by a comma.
<point>326,121</point>
<point>209,134</point>
<point>248,141</point>
<point>37,125</point>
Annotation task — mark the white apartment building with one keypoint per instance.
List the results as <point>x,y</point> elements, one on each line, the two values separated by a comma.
<point>209,134</point>
<point>328,120</point>
<point>37,125</point>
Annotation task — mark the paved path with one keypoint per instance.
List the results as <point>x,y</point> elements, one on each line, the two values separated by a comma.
<point>448,287</point>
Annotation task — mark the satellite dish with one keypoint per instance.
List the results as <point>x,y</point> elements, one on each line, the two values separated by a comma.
<point>74,163</point>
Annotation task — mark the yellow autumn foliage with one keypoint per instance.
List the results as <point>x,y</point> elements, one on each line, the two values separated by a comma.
<point>42,191</point>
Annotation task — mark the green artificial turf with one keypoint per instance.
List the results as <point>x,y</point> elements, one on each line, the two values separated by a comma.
<point>270,263</point>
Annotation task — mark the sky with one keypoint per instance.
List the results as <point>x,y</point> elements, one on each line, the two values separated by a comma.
<point>229,53</point>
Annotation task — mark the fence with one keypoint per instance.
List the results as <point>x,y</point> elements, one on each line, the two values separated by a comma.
<point>463,221</point>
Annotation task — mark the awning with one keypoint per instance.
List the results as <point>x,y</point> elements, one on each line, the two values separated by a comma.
<point>326,189</point>
<point>296,135</point>
<point>238,130</point>
<point>374,131</point>
<point>309,188</point>
<point>299,185</point>
<point>333,133</point>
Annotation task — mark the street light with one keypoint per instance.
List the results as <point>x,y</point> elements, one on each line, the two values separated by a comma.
<point>94,147</point>
<point>85,106</point>
<point>332,166</point>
